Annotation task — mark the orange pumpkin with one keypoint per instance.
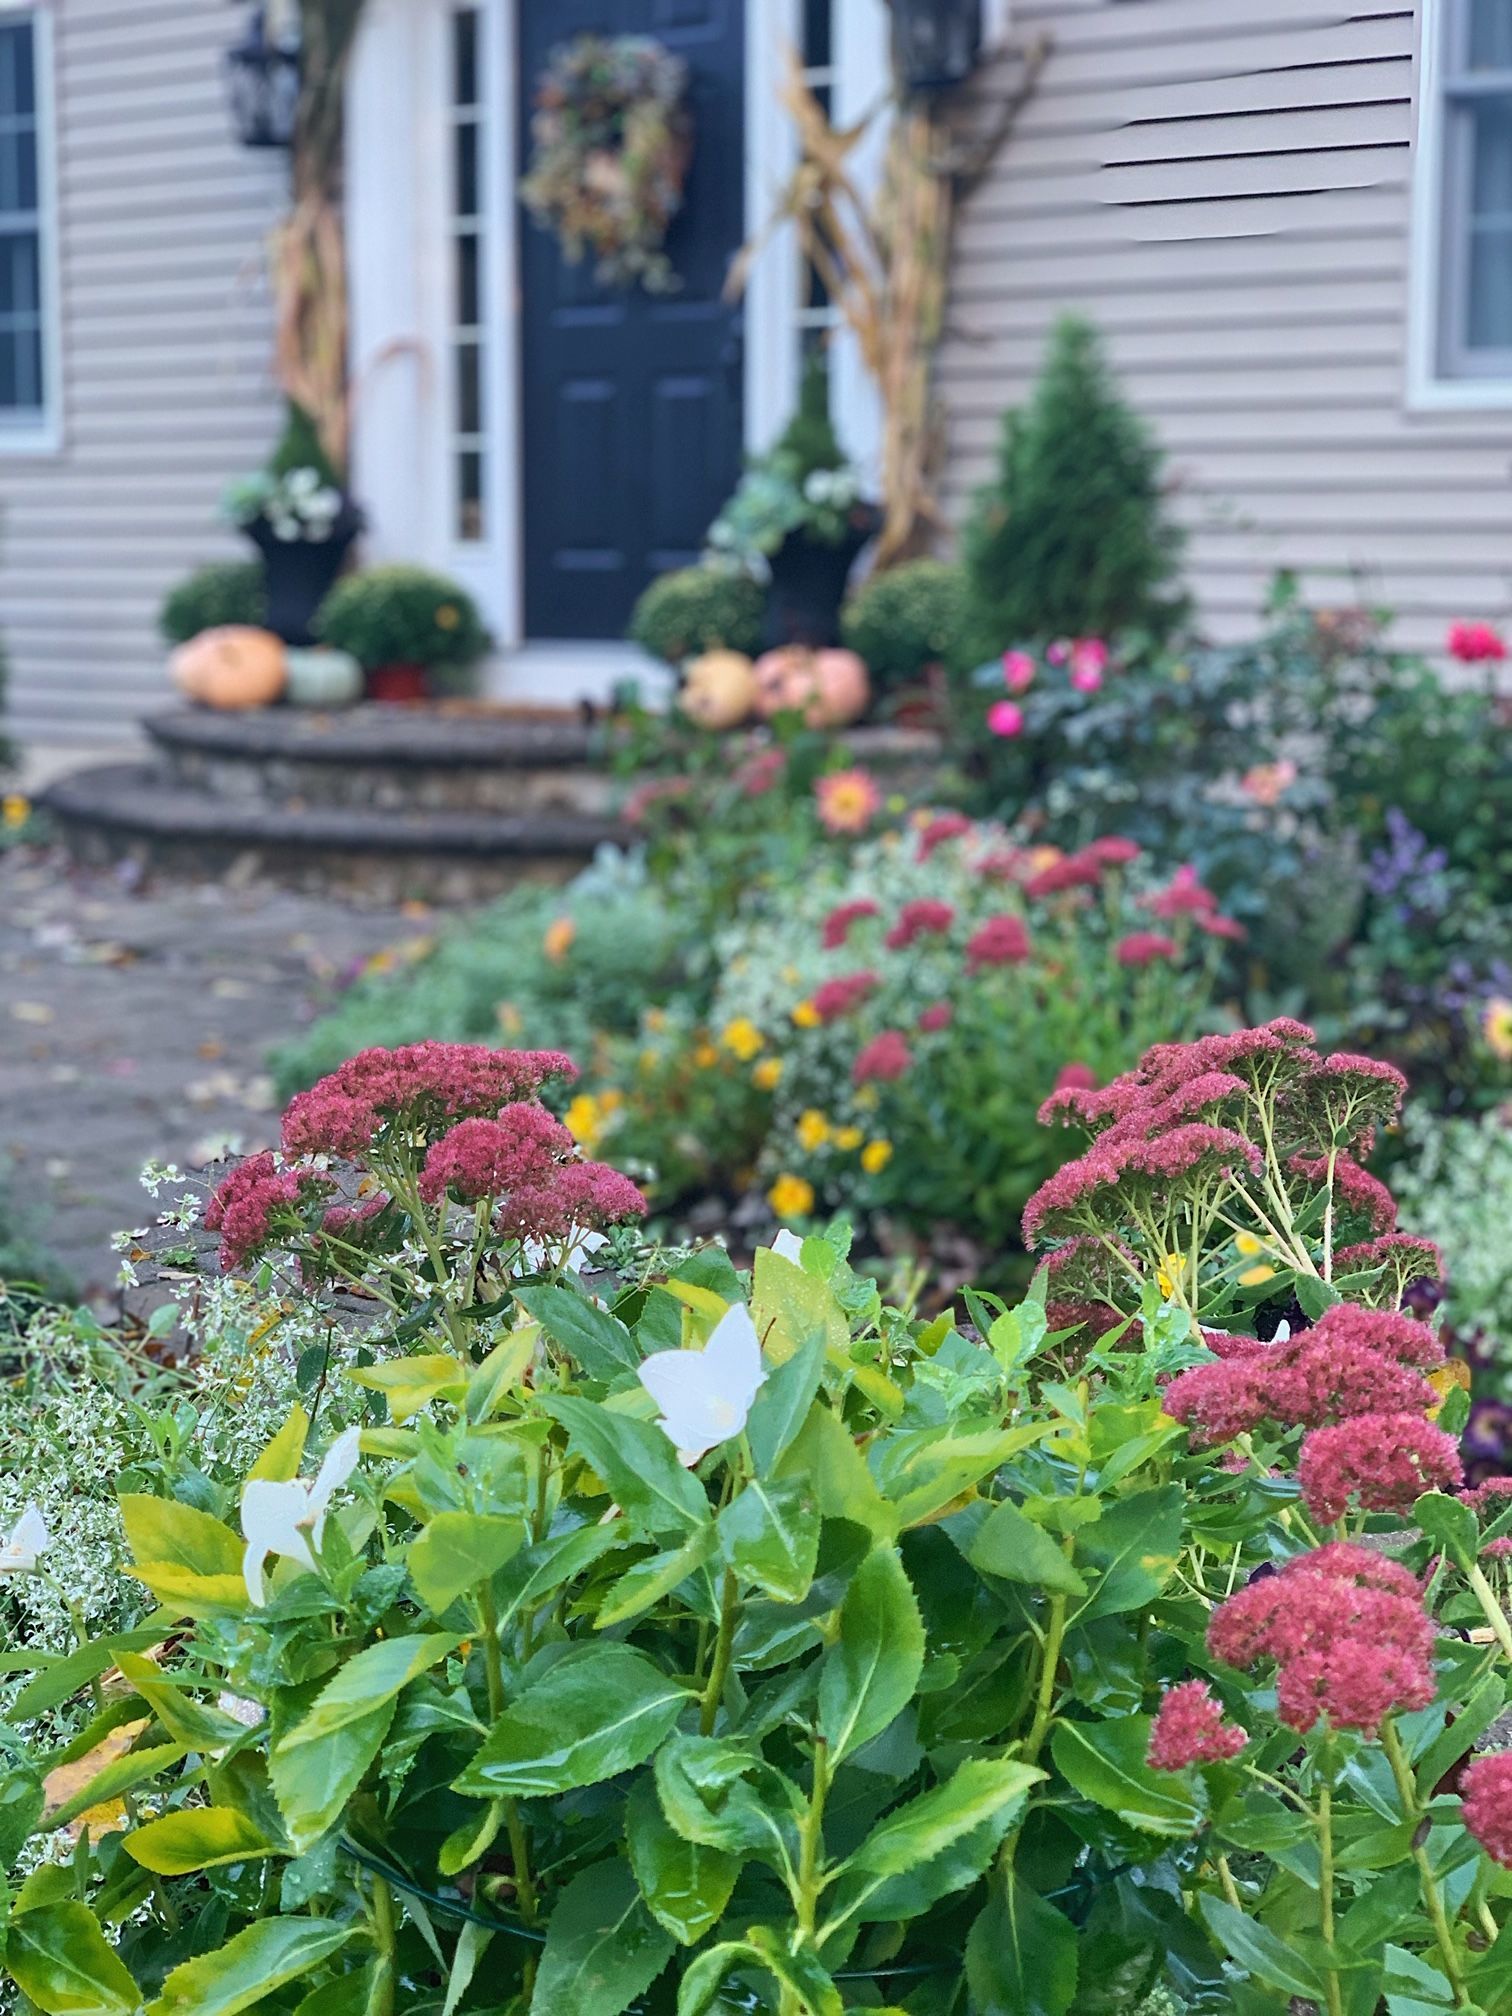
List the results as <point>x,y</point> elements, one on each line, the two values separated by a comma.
<point>719,689</point>
<point>233,666</point>
<point>842,690</point>
<point>784,680</point>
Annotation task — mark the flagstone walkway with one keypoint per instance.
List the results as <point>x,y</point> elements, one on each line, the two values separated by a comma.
<point>134,1023</point>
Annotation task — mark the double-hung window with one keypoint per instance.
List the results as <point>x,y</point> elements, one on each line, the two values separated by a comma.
<point>28,397</point>
<point>1463,266</point>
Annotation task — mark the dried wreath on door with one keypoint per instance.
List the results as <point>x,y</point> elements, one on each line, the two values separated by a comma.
<point>612,140</point>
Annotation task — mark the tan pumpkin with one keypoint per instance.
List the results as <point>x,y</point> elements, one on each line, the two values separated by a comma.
<point>233,666</point>
<point>719,689</point>
<point>784,680</point>
<point>842,690</point>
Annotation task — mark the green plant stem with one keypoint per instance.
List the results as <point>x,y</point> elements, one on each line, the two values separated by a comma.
<point>1230,1887</point>
<point>811,1845</point>
<point>380,2000</point>
<point>1496,1617</point>
<point>724,1645</point>
<point>1044,1704</point>
<point>514,1820</point>
<point>1432,1898</point>
<point>1326,1889</point>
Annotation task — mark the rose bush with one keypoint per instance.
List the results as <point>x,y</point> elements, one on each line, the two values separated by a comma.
<point>667,1640</point>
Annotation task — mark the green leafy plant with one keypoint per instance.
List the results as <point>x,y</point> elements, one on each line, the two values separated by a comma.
<point>696,609</point>
<point>222,591</point>
<point>907,620</point>
<point>802,485</point>
<point>1073,537</point>
<point>672,1641</point>
<point>399,615</point>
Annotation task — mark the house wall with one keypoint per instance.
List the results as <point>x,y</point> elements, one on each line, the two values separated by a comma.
<point>1231,203</point>
<point>166,338</point>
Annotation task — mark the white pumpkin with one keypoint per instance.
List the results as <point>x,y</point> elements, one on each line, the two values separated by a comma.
<point>719,689</point>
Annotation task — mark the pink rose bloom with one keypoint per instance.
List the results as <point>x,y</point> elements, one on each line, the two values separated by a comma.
<point>1018,671</point>
<point>1005,717</point>
<point>1475,643</point>
<point>1088,660</point>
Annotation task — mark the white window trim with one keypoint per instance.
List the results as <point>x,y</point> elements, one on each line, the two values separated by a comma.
<point>43,434</point>
<point>1428,390</point>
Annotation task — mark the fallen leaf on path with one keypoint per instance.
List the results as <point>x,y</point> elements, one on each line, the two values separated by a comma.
<point>31,1011</point>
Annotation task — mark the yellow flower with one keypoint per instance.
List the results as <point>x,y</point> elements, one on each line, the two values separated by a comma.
<point>1170,1273</point>
<point>1247,1246</point>
<point>558,940</point>
<point>448,616</point>
<point>656,1020</point>
<point>813,1130</point>
<point>510,1020</point>
<point>584,1119</point>
<point>768,1074</point>
<point>791,1197</point>
<point>875,1157</point>
<point>1255,1277</point>
<point>611,1099</point>
<point>848,1139</point>
<point>1496,1026</point>
<point>706,1056</point>
<point>742,1038</point>
<point>806,1015</point>
<point>14,810</point>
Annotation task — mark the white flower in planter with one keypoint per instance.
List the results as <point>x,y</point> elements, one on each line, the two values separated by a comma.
<point>27,1540</point>
<point>705,1396</point>
<point>288,1519</point>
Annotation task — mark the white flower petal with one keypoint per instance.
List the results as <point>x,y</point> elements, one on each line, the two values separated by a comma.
<point>789,1246</point>
<point>340,1461</point>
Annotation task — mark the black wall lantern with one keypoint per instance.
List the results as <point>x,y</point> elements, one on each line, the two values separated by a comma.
<point>262,81</point>
<point>936,43</point>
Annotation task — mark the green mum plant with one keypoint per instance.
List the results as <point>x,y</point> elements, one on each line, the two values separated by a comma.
<point>397,615</point>
<point>686,1642</point>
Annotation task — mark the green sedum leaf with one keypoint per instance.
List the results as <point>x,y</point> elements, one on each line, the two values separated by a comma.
<point>637,1462</point>
<point>685,1884</point>
<point>1105,1762</point>
<point>457,1551</point>
<point>1259,1951</point>
<point>770,1536</point>
<point>594,1715</point>
<point>63,1963</point>
<point>199,1837</point>
<point>869,1675</point>
<point>1011,1546</point>
<point>1021,1957</point>
<point>603,1947</point>
<point>1135,1544</point>
<point>250,1967</point>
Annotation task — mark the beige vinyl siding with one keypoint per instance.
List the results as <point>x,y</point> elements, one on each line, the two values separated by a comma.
<point>1226,191</point>
<point>166,336</point>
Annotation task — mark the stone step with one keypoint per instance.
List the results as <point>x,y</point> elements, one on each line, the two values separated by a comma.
<point>139,811</point>
<point>387,759</point>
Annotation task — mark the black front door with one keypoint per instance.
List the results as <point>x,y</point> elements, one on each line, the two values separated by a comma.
<point>632,402</point>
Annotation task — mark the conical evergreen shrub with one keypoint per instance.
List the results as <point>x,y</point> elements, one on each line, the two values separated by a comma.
<point>1072,538</point>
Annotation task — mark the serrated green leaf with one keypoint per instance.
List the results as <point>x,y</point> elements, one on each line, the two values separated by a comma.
<point>371,1679</point>
<point>1135,1546</point>
<point>1021,1957</point>
<point>1259,1951</point>
<point>197,1837</point>
<point>870,1673</point>
<point>458,1550</point>
<point>769,1533</point>
<point>250,1967</point>
<point>600,1343</point>
<point>162,1533</point>
<point>63,1963</point>
<point>591,1717</point>
<point>1011,1546</point>
<point>1105,1762</point>
<point>686,1885</point>
<point>603,1947</point>
<point>636,1461</point>
<point>410,1384</point>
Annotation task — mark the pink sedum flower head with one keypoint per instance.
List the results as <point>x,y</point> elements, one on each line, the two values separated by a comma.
<point>1005,718</point>
<point>1144,948</point>
<point>706,1396</point>
<point>840,996</point>
<point>1486,1803</point>
<point>886,1058</point>
<point>937,1016</point>
<point>1381,1462</point>
<point>420,1087</point>
<point>922,918</point>
<point>1190,1729</point>
<point>1019,669</point>
<point>1183,896</point>
<point>940,830</point>
<point>1476,643</point>
<point>1075,1076</point>
<point>258,1204</point>
<point>489,1158</point>
<point>842,920</point>
<point>1001,941</point>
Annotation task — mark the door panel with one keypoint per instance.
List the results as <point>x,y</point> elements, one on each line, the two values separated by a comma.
<point>632,402</point>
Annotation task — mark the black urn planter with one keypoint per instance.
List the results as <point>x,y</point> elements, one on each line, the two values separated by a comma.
<point>808,580</point>
<point>298,574</point>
